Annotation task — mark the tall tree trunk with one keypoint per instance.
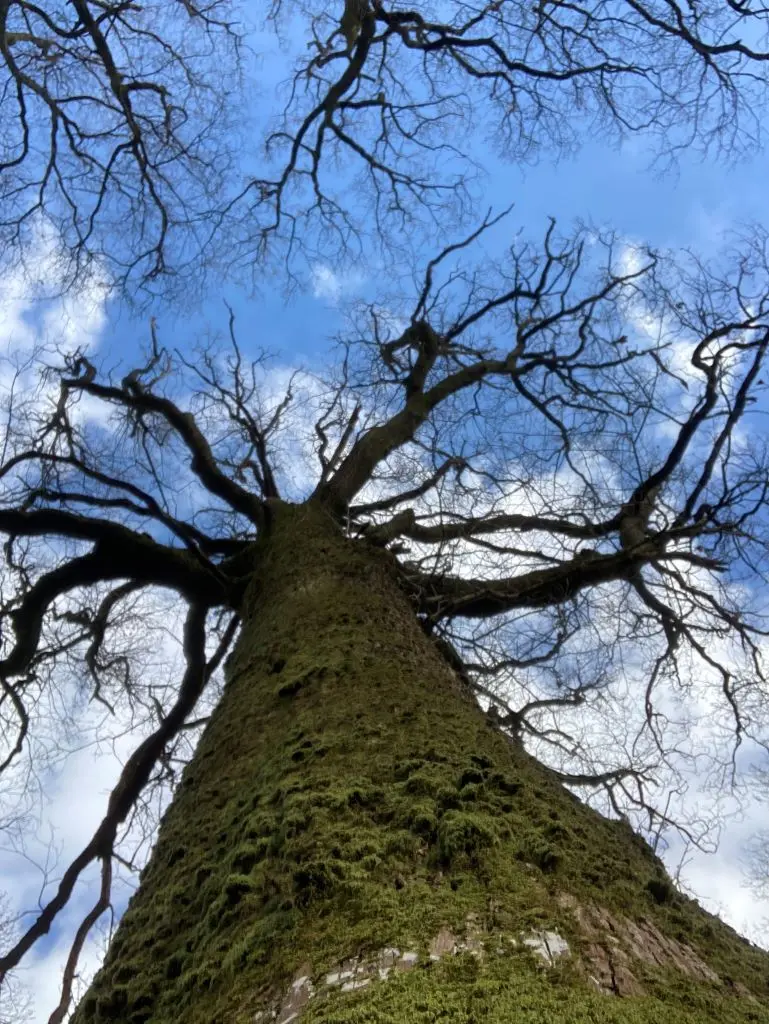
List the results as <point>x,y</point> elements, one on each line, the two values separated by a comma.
<point>353,842</point>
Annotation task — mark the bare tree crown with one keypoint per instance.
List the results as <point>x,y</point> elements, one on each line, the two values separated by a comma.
<point>547,473</point>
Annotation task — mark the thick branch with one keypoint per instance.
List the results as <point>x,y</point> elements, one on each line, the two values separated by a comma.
<point>441,596</point>
<point>480,526</point>
<point>379,442</point>
<point>203,463</point>
<point>121,553</point>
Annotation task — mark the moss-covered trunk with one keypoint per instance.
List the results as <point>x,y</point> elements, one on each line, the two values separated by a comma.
<point>354,843</point>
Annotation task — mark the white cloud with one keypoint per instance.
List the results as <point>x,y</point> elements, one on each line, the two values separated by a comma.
<point>332,285</point>
<point>717,880</point>
<point>32,312</point>
<point>37,321</point>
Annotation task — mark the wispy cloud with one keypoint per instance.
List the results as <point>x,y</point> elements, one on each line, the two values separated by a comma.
<point>32,309</point>
<point>38,317</point>
<point>332,285</point>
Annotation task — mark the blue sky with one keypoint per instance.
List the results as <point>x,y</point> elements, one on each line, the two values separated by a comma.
<point>605,185</point>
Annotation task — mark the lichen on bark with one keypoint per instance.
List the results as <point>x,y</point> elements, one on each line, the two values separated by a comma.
<point>349,798</point>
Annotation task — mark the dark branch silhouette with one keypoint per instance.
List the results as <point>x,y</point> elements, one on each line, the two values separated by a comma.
<point>390,104</point>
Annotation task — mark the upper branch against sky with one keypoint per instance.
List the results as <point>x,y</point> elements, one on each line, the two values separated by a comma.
<point>116,127</point>
<point>387,93</point>
<point>125,124</point>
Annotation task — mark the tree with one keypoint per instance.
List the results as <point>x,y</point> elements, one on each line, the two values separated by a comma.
<point>522,486</point>
<point>353,839</point>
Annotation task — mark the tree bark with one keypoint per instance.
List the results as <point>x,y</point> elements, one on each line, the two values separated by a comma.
<point>354,842</point>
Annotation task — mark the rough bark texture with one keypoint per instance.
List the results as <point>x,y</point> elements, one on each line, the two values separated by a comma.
<point>353,842</point>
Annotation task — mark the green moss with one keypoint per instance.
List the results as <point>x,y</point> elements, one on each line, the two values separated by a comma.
<point>421,818</point>
<point>427,780</point>
<point>347,796</point>
<point>661,890</point>
<point>463,837</point>
<point>535,848</point>
<point>508,990</point>
<point>236,888</point>
<point>245,858</point>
